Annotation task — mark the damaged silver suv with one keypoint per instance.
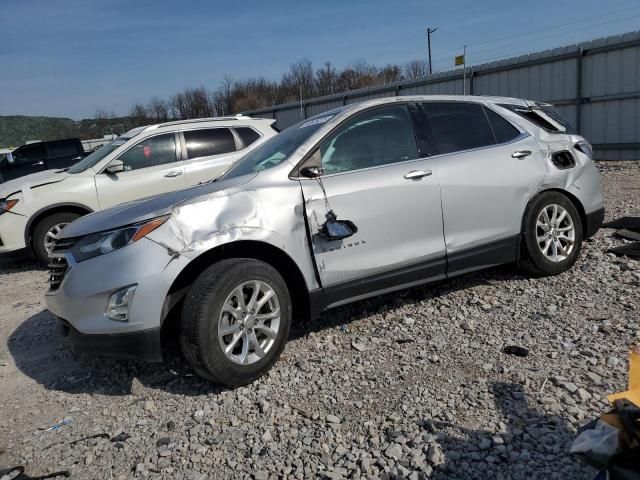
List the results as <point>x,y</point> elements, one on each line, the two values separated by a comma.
<point>354,202</point>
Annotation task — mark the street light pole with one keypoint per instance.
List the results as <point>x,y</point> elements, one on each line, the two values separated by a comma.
<point>429,32</point>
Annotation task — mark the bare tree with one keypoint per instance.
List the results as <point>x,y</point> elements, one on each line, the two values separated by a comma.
<point>416,69</point>
<point>390,74</point>
<point>158,110</point>
<point>326,80</point>
<point>138,114</point>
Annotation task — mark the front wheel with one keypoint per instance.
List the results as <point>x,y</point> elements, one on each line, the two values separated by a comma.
<point>552,234</point>
<point>235,321</point>
<point>46,231</point>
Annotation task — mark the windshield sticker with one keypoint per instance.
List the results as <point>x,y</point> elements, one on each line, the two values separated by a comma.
<point>316,121</point>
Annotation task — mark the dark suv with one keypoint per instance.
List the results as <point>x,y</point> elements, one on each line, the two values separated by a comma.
<point>35,157</point>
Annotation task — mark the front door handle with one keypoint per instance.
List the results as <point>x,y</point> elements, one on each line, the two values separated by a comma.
<point>417,174</point>
<point>38,163</point>
<point>174,173</point>
<point>520,154</point>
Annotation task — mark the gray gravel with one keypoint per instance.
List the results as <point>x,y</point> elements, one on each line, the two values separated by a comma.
<point>408,385</point>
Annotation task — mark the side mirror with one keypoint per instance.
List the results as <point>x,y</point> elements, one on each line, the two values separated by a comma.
<point>311,172</point>
<point>334,229</point>
<point>115,166</point>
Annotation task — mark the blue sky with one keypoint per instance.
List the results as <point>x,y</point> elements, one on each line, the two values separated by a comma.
<point>71,57</point>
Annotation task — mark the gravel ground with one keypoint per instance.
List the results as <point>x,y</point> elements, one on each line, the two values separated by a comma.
<point>408,385</point>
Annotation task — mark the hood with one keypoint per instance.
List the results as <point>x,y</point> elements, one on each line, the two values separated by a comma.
<point>33,180</point>
<point>145,209</point>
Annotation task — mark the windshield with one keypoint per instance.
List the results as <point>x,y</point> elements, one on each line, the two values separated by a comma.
<point>91,160</point>
<point>275,150</point>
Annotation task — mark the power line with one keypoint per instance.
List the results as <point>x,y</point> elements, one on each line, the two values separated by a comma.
<point>580,20</point>
<point>555,34</point>
<point>560,25</point>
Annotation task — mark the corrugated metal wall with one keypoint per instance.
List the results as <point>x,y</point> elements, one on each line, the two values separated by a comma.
<point>595,85</point>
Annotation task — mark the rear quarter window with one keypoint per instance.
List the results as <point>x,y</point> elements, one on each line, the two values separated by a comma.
<point>502,129</point>
<point>209,141</point>
<point>247,135</point>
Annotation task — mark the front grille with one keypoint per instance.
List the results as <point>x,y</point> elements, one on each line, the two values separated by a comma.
<point>57,270</point>
<point>63,245</point>
<point>58,267</point>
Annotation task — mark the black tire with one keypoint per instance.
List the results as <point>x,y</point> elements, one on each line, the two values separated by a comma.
<point>533,260</point>
<point>201,312</point>
<point>41,229</point>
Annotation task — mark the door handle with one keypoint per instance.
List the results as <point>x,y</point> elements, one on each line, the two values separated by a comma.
<point>174,173</point>
<point>417,174</point>
<point>37,163</point>
<point>520,154</point>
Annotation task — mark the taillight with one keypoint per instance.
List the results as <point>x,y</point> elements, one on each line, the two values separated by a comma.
<point>585,147</point>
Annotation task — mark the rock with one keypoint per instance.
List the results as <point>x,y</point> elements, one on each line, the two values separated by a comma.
<point>583,395</point>
<point>332,419</point>
<point>394,451</point>
<point>467,325</point>
<point>266,436</point>
<point>149,406</point>
<point>434,455</point>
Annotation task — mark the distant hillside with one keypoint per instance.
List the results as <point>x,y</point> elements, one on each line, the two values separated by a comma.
<point>17,129</point>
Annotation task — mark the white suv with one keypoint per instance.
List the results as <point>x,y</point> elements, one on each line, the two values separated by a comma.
<point>143,162</point>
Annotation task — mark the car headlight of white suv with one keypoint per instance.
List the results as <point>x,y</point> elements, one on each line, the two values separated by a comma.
<point>6,205</point>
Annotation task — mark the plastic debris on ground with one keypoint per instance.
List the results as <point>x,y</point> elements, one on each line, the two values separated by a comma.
<point>629,223</point>
<point>56,426</point>
<point>612,442</point>
<point>629,250</point>
<point>628,235</point>
<point>515,350</point>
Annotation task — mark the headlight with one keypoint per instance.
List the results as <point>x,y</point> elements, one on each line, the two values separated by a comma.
<point>98,244</point>
<point>6,205</point>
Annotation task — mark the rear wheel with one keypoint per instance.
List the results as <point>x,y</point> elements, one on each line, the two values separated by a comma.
<point>552,234</point>
<point>235,321</point>
<point>46,231</point>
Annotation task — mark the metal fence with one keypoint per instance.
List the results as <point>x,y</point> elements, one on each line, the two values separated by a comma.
<point>595,85</point>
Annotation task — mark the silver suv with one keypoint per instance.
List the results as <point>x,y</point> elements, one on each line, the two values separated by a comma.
<point>354,202</point>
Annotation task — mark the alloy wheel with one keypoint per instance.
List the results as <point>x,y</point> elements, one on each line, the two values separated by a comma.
<point>249,322</point>
<point>555,233</point>
<point>51,236</point>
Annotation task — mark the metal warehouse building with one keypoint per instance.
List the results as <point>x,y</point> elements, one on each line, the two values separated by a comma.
<point>595,85</point>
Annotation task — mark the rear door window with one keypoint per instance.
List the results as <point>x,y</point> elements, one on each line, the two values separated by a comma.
<point>502,129</point>
<point>209,141</point>
<point>247,135</point>
<point>62,148</point>
<point>150,152</point>
<point>458,126</point>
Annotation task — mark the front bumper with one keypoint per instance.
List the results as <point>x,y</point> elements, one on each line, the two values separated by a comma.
<point>593,222</point>
<point>142,345</point>
<point>83,295</point>
<point>12,228</point>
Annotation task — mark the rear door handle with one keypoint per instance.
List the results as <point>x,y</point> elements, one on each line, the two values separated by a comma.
<point>520,154</point>
<point>37,163</point>
<point>174,173</point>
<point>417,174</point>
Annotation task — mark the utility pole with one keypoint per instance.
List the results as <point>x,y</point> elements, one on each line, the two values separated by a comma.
<point>429,32</point>
<point>464,71</point>
<point>301,104</point>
